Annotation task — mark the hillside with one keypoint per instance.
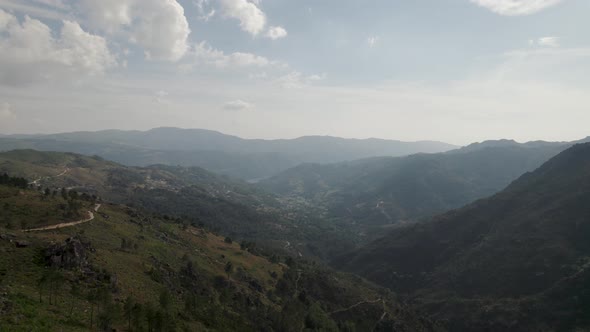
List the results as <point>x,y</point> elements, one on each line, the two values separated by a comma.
<point>128,269</point>
<point>248,159</point>
<point>230,206</point>
<point>368,195</point>
<point>515,261</point>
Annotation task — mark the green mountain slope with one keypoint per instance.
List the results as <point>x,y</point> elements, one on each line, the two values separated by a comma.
<point>518,260</point>
<point>366,196</point>
<point>235,208</point>
<point>130,270</point>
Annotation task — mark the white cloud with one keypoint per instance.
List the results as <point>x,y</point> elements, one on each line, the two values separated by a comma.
<point>6,112</point>
<point>276,33</point>
<point>548,41</point>
<point>372,41</point>
<point>160,96</point>
<point>53,3</point>
<point>516,7</point>
<point>295,80</point>
<point>35,10</point>
<point>158,26</point>
<point>204,54</point>
<point>252,19</point>
<point>205,13</point>
<point>31,53</point>
<point>237,105</point>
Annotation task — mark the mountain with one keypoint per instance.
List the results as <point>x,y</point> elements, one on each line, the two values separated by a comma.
<point>366,196</point>
<point>230,155</point>
<point>518,260</point>
<point>224,204</point>
<point>126,269</point>
<point>232,207</point>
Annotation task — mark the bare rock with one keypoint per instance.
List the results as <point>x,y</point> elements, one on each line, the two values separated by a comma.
<point>73,254</point>
<point>22,243</point>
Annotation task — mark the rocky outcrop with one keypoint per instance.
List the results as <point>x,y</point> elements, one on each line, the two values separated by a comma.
<point>73,254</point>
<point>22,244</point>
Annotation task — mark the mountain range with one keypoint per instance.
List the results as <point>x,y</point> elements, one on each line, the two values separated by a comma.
<point>369,196</point>
<point>488,237</point>
<point>248,159</point>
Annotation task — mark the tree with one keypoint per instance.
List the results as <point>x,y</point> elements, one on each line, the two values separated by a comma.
<point>74,292</point>
<point>41,284</point>
<point>229,267</point>
<point>107,311</point>
<point>128,309</point>
<point>56,281</point>
<point>91,297</point>
<point>137,317</point>
<point>228,240</point>
<point>190,303</point>
<point>165,299</point>
<point>150,316</point>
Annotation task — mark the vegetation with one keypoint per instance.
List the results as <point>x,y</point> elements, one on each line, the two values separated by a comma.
<point>518,260</point>
<point>176,278</point>
<point>359,200</point>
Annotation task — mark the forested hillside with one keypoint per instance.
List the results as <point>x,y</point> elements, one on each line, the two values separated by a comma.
<point>131,270</point>
<point>515,261</point>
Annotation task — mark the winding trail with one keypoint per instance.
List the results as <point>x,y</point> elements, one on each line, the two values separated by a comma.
<point>382,316</point>
<point>68,224</point>
<point>354,306</point>
<point>36,182</point>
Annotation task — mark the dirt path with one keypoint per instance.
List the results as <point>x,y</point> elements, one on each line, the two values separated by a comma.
<point>354,306</point>
<point>382,316</point>
<point>68,224</point>
<point>36,182</point>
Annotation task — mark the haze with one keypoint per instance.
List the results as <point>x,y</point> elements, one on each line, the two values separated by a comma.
<point>457,71</point>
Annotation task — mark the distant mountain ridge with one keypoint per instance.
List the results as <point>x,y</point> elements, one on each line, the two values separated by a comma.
<point>225,154</point>
<point>390,189</point>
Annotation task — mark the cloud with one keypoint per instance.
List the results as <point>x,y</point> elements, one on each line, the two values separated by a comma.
<point>276,33</point>
<point>204,54</point>
<point>30,52</point>
<point>35,10</point>
<point>295,80</point>
<point>205,14</point>
<point>237,105</point>
<point>372,41</point>
<point>53,3</point>
<point>252,19</point>
<point>160,96</point>
<point>158,26</point>
<point>6,112</point>
<point>548,41</point>
<point>516,7</point>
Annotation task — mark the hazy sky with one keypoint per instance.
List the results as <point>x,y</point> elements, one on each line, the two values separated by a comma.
<point>451,70</point>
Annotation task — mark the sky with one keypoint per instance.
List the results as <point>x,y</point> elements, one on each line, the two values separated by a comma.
<point>458,71</point>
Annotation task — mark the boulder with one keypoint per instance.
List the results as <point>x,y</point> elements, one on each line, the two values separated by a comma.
<point>73,254</point>
<point>22,243</point>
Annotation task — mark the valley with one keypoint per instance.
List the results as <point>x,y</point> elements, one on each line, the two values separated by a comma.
<point>372,217</point>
